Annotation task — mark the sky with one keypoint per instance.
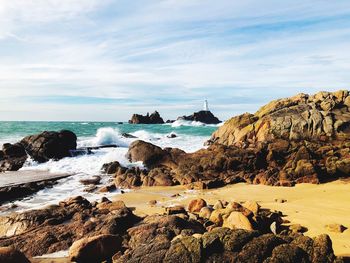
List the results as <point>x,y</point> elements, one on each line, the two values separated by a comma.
<point>103,60</point>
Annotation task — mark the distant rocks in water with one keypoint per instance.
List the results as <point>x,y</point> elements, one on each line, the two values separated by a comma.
<point>170,121</point>
<point>40,147</point>
<point>128,135</point>
<point>201,116</point>
<point>322,117</point>
<point>171,135</point>
<point>154,118</point>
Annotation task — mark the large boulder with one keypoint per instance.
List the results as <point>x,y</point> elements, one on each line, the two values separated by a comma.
<point>50,145</point>
<point>12,255</point>
<point>154,118</point>
<point>12,157</point>
<point>321,117</point>
<point>202,116</point>
<point>95,249</point>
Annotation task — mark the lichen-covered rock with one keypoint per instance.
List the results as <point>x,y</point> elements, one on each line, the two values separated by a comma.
<point>320,117</point>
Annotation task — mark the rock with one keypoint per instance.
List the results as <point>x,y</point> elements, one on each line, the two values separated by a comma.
<point>219,205</point>
<point>337,228</point>
<point>196,205</point>
<point>151,155</point>
<point>13,150</point>
<point>171,135</point>
<point>205,212</point>
<point>316,117</point>
<point>259,248</point>
<point>50,145</point>
<point>280,200</point>
<point>12,164</point>
<point>236,220</point>
<point>94,180</point>
<point>11,255</point>
<point>177,209</point>
<point>128,135</point>
<point>107,188</point>
<point>186,249</point>
<point>152,202</point>
<point>287,253</point>
<point>297,228</point>
<point>111,168</point>
<point>252,206</point>
<point>154,118</point>
<point>56,227</point>
<point>95,249</point>
<point>201,116</point>
<point>322,249</point>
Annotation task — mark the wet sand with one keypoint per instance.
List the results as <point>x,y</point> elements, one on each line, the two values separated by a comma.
<point>312,206</point>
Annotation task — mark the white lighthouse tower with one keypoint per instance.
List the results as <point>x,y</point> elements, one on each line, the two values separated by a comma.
<point>205,107</point>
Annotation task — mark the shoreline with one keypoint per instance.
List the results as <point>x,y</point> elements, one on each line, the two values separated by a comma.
<point>306,204</point>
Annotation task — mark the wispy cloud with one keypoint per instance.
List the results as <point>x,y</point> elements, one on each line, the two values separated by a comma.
<point>58,58</point>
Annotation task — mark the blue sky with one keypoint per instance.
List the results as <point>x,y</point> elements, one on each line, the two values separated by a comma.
<point>104,59</point>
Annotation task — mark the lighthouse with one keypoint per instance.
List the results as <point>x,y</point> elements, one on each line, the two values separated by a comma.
<point>205,107</point>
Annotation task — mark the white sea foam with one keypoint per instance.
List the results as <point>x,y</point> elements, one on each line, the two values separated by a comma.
<point>86,166</point>
<point>179,123</point>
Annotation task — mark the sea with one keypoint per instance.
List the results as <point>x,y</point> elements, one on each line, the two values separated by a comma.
<point>190,137</point>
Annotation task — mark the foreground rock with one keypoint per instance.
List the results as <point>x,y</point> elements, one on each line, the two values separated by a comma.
<point>40,147</point>
<point>154,118</point>
<point>202,116</point>
<point>11,255</point>
<point>95,249</point>
<point>58,226</point>
<point>108,231</point>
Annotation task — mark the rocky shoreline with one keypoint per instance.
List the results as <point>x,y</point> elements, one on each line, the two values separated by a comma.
<point>302,139</point>
<point>105,230</point>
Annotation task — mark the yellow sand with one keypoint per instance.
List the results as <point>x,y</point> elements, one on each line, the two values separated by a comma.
<point>312,206</point>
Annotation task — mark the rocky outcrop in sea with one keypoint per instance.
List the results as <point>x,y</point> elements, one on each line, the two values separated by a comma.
<point>203,116</point>
<point>40,147</point>
<point>154,118</point>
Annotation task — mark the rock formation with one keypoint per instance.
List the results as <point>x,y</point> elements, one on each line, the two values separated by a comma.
<point>202,116</point>
<point>154,118</point>
<point>284,143</point>
<point>108,231</point>
<point>40,147</point>
<point>324,116</point>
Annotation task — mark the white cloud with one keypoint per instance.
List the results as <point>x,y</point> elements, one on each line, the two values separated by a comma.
<point>150,50</point>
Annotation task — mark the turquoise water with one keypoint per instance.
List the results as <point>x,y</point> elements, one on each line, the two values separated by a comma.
<point>16,130</point>
<point>191,137</point>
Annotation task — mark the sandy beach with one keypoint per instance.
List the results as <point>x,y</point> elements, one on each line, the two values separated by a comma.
<point>312,206</point>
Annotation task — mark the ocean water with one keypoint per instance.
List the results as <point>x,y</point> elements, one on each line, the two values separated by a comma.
<point>191,137</point>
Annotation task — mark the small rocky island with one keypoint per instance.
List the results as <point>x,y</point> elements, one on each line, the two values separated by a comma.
<point>154,118</point>
<point>204,116</point>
